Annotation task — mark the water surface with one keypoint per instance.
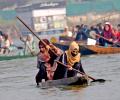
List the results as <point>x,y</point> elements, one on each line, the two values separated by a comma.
<point>17,80</point>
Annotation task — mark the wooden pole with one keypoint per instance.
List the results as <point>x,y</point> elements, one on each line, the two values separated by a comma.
<point>94,80</point>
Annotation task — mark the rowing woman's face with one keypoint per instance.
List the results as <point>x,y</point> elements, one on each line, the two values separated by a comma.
<point>74,52</point>
<point>42,48</point>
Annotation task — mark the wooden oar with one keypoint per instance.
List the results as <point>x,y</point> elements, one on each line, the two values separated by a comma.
<point>106,39</point>
<point>35,35</point>
<point>93,79</point>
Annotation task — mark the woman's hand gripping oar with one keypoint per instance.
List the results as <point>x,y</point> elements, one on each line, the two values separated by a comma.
<point>93,79</point>
<point>106,39</point>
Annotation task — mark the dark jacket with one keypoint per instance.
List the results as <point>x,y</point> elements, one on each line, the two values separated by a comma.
<point>42,74</point>
<point>62,71</point>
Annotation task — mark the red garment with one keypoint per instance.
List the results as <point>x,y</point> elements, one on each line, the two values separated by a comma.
<point>44,56</point>
<point>108,33</point>
<point>118,36</point>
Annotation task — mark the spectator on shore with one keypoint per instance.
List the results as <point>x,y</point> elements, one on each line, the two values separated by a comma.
<point>5,48</point>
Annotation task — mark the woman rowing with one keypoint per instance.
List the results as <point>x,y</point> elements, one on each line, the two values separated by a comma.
<point>108,33</point>
<point>45,61</point>
<point>71,58</point>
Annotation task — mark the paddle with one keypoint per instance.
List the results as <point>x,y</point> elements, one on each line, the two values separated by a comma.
<point>106,39</point>
<point>93,79</point>
<point>36,35</point>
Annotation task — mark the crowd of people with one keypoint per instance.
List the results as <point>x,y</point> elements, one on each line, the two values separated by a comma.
<point>7,44</point>
<point>48,55</point>
<point>105,34</point>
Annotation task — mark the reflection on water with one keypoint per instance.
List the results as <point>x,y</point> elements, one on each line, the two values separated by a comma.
<point>17,80</point>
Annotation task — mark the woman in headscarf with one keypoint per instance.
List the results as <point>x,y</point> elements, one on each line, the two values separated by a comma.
<point>45,61</point>
<point>71,58</point>
<point>108,34</point>
<point>42,62</point>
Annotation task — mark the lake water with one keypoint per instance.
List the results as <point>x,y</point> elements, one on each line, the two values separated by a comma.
<point>17,80</point>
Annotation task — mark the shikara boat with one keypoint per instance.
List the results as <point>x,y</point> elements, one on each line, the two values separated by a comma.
<point>76,80</point>
<point>90,49</point>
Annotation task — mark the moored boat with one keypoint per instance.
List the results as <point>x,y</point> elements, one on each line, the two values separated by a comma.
<point>76,80</point>
<point>90,49</point>
<point>101,49</point>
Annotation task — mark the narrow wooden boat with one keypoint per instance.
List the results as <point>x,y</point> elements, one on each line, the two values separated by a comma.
<point>76,80</point>
<point>102,50</point>
<point>90,49</point>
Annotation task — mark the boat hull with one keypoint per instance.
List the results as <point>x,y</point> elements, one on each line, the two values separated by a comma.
<point>102,50</point>
<point>65,81</point>
<point>90,49</point>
